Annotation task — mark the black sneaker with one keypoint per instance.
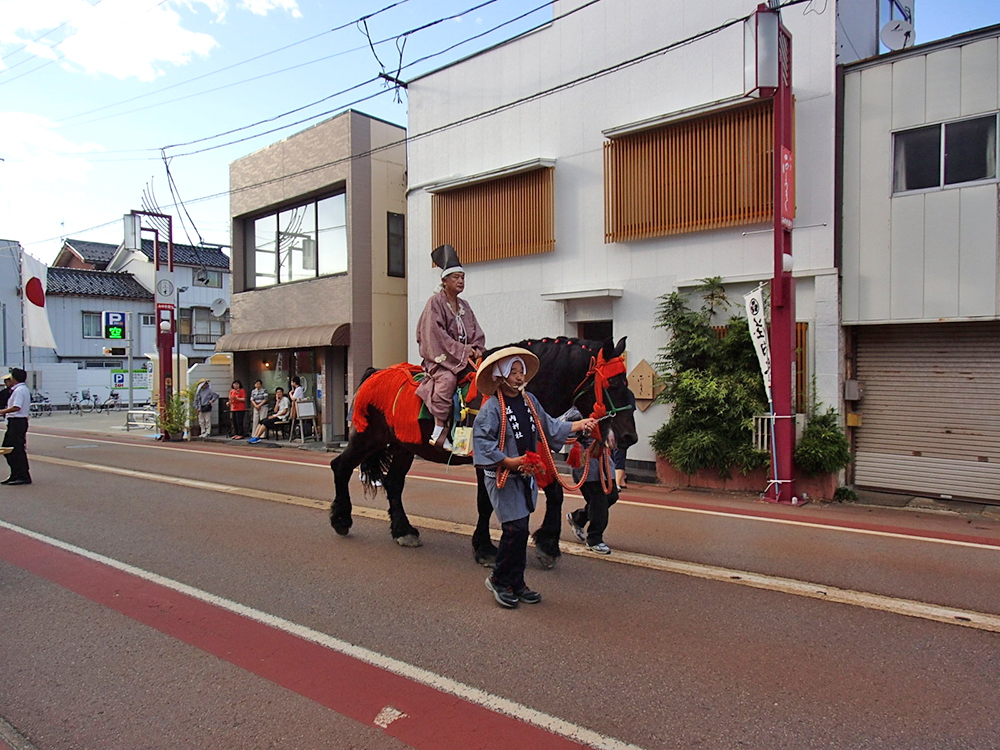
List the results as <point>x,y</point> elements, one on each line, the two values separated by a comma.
<point>504,595</point>
<point>528,596</point>
<point>578,532</point>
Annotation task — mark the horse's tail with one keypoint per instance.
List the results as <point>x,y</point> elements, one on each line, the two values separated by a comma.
<point>373,470</point>
<point>393,392</point>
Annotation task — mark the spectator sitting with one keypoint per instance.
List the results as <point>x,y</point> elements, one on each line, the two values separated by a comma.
<point>282,407</point>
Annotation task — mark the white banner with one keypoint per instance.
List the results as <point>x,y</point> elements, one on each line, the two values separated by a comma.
<point>758,332</point>
<point>34,285</point>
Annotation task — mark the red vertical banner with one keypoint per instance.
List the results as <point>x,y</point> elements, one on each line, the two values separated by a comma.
<point>787,187</point>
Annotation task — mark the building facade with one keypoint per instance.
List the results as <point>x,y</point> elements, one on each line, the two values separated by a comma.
<point>612,156</point>
<point>319,264</point>
<point>921,269</point>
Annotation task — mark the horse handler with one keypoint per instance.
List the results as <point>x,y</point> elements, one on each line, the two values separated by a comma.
<point>505,440</point>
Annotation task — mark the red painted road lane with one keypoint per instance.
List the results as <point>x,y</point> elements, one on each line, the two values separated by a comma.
<point>434,719</point>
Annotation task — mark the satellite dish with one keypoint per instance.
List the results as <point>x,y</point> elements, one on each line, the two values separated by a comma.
<point>219,307</point>
<point>897,34</point>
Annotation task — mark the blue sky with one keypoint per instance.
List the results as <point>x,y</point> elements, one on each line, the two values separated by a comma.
<point>92,90</point>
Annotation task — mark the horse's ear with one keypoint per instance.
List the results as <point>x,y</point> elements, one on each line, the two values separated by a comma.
<point>608,350</point>
<point>620,349</point>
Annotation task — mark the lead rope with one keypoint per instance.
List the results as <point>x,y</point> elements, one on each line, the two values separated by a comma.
<point>603,461</point>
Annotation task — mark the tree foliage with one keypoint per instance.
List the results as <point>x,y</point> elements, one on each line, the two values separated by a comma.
<point>713,381</point>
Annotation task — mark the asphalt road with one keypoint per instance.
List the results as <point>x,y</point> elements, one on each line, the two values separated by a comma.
<point>203,601</point>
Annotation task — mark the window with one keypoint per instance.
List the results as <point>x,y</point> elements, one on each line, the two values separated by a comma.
<point>705,173</point>
<point>298,243</point>
<point>92,326</point>
<point>147,320</point>
<point>502,218</point>
<point>949,154</point>
<point>396,233</point>
<point>204,277</point>
<point>197,325</point>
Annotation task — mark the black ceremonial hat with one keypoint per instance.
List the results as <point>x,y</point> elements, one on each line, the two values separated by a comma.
<point>445,258</point>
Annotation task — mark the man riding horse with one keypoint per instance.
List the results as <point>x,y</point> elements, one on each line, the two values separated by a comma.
<point>449,337</point>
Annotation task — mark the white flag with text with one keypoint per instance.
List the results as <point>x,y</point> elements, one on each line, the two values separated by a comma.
<point>758,332</point>
<point>34,287</point>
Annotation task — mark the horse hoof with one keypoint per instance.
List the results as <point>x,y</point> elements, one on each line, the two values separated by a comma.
<point>410,540</point>
<point>341,530</point>
<point>486,560</point>
<point>548,562</point>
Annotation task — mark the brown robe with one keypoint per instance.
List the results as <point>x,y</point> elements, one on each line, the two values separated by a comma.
<point>439,335</point>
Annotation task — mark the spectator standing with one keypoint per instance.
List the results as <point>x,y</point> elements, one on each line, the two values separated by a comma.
<point>258,404</point>
<point>237,411</point>
<point>8,384</point>
<point>17,411</point>
<point>204,403</point>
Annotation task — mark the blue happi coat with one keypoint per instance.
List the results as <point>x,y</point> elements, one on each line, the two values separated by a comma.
<point>519,495</point>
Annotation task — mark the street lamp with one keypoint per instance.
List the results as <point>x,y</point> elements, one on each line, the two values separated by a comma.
<point>177,375</point>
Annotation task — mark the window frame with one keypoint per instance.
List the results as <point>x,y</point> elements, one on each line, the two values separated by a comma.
<point>317,235</point>
<point>397,269</point>
<point>943,154</point>
<point>93,316</point>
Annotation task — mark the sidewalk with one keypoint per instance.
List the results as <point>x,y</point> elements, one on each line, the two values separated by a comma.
<point>114,424</point>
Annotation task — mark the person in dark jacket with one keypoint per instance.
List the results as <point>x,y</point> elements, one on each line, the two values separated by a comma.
<point>591,521</point>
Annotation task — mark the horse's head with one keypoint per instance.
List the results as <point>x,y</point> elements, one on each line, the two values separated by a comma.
<point>583,374</point>
<point>610,388</point>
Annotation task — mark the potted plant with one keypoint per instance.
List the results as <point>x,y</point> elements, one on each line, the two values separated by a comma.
<point>175,416</point>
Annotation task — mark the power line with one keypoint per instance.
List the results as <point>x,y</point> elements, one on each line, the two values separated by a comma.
<point>236,65</point>
<point>478,116</point>
<point>38,39</point>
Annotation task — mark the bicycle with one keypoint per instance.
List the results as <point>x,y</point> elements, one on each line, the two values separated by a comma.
<point>74,403</point>
<point>112,403</point>
<point>40,405</point>
<point>88,403</point>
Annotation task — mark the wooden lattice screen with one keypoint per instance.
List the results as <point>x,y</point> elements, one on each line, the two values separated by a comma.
<point>711,172</point>
<point>503,218</point>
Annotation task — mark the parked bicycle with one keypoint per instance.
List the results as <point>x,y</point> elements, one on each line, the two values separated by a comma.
<point>88,402</point>
<point>112,403</point>
<point>40,405</point>
<point>74,403</point>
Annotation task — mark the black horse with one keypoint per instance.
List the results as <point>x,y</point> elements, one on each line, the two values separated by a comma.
<point>386,435</point>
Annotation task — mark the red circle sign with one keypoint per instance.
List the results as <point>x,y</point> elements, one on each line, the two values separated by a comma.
<point>34,292</point>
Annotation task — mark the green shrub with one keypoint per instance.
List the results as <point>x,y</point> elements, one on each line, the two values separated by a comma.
<point>714,384</point>
<point>823,447</point>
<point>845,495</point>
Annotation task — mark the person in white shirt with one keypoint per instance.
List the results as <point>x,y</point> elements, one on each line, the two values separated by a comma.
<point>282,409</point>
<point>17,410</point>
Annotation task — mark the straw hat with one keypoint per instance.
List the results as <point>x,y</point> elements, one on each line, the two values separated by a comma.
<point>484,375</point>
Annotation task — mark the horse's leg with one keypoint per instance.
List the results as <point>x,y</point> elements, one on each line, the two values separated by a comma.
<point>483,548</point>
<point>343,466</point>
<point>547,535</point>
<point>399,525</point>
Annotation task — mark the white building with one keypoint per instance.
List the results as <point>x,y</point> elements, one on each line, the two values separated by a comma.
<point>921,275</point>
<point>578,188</point>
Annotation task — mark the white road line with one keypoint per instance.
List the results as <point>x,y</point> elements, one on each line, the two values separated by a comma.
<point>634,503</point>
<point>906,607</point>
<point>408,671</point>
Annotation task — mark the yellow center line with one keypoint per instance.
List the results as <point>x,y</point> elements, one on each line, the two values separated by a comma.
<point>907,607</point>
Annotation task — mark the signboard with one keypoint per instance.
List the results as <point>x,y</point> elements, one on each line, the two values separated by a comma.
<point>787,188</point>
<point>758,332</point>
<point>141,378</point>
<point>113,325</point>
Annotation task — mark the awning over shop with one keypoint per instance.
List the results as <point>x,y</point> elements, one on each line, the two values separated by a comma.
<point>286,338</point>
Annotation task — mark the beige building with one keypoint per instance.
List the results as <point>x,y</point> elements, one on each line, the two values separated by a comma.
<point>319,261</point>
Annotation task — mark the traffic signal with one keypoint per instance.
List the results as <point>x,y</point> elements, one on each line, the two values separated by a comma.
<point>113,325</point>
<point>114,351</point>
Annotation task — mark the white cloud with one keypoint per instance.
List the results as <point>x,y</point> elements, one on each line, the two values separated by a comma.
<point>263,7</point>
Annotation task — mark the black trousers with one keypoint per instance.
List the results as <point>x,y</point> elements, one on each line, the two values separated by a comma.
<point>512,554</point>
<point>237,423</point>
<point>594,515</point>
<point>16,438</point>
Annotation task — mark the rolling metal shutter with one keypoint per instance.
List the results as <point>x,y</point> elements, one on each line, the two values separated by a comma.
<point>931,409</point>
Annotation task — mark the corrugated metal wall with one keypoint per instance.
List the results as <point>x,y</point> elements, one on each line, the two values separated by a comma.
<point>931,409</point>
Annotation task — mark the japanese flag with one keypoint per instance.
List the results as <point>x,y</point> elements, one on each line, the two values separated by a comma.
<point>34,282</point>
